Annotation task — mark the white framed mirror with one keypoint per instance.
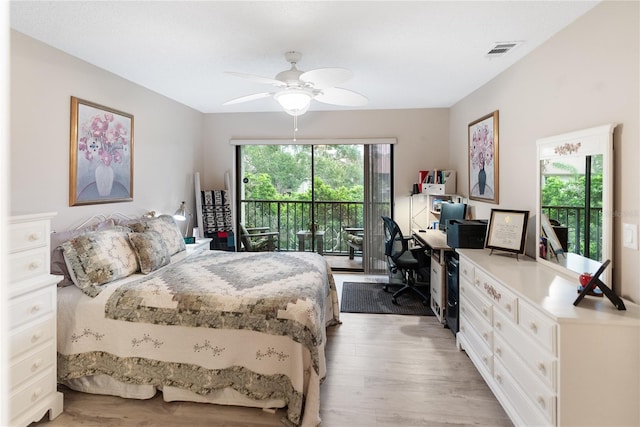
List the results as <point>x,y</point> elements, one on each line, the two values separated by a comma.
<point>574,215</point>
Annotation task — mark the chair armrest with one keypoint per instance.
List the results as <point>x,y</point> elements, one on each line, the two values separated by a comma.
<point>260,229</point>
<point>265,234</point>
<point>354,230</point>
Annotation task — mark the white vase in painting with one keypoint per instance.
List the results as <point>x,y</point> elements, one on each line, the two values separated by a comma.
<point>104,179</point>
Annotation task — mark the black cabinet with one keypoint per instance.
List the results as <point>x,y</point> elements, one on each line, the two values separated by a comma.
<point>453,298</point>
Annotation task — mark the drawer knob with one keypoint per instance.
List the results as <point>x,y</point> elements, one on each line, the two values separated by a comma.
<point>485,311</point>
<point>498,351</point>
<point>499,325</point>
<point>36,393</point>
<point>541,402</point>
<point>508,307</point>
<point>485,336</point>
<point>35,308</point>
<point>36,365</point>
<point>542,368</point>
<point>33,265</point>
<point>533,327</point>
<point>499,378</point>
<point>33,237</point>
<point>35,337</point>
<point>485,359</point>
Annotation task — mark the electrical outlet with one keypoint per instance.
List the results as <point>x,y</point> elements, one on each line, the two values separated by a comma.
<point>630,236</point>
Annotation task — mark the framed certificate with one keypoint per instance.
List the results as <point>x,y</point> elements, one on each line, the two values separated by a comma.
<point>507,230</point>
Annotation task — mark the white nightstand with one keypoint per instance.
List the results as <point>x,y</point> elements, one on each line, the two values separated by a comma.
<point>199,246</point>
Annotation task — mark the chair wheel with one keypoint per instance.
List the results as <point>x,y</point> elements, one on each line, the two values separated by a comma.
<point>394,300</point>
<point>385,288</point>
<point>425,303</point>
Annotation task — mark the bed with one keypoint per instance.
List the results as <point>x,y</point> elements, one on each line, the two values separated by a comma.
<point>140,315</point>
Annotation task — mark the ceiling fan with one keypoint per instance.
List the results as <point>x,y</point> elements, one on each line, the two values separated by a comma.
<point>295,88</point>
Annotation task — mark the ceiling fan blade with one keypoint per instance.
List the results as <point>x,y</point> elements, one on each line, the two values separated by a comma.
<point>259,79</point>
<point>339,96</point>
<point>323,78</point>
<point>248,98</point>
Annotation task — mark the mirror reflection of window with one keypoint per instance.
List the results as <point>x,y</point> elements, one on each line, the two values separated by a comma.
<point>571,197</point>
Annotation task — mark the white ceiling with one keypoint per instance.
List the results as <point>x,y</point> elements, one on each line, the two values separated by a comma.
<point>417,54</point>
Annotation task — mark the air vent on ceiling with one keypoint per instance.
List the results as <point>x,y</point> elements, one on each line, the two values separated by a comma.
<point>502,48</point>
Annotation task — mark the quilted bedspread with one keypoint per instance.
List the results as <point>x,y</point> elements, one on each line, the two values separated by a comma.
<point>254,322</point>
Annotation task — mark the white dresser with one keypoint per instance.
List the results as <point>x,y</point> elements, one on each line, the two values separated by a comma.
<point>547,361</point>
<point>32,322</point>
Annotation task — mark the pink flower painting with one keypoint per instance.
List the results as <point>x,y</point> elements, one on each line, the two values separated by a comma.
<point>105,138</point>
<point>102,156</point>
<point>483,160</point>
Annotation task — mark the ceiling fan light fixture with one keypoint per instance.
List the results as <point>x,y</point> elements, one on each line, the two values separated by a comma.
<point>294,101</point>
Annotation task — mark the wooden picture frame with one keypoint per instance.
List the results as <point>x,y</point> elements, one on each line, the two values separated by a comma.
<point>483,159</point>
<point>101,154</point>
<point>507,230</point>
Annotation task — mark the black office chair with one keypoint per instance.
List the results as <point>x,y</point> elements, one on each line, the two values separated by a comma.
<point>400,258</point>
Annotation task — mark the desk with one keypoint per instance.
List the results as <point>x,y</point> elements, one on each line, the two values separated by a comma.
<point>319,237</point>
<point>437,241</point>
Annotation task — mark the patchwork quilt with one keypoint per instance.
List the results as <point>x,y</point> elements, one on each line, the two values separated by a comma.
<point>253,322</point>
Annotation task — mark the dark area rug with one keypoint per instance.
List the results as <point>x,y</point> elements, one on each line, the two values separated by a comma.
<point>371,298</point>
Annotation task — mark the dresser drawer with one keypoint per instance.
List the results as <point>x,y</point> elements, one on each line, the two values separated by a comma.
<point>29,395</point>
<point>529,414</point>
<point>481,303</point>
<point>542,397</point>
<point>32,365</point>
<point>479,349</point>
<point>32,306</point>
<point>538,326</point>
<point>28,264</point>
<point>503,298</point>
<point>466,270</point>
<point>32,336</point>
<point>539,360</point>
<point>484,329</point>
<point>28,235</point>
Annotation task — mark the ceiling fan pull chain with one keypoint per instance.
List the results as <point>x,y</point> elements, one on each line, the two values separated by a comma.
<point>295,127</point>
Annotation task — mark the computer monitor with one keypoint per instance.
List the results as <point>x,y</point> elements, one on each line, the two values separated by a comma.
<point>450,211</point>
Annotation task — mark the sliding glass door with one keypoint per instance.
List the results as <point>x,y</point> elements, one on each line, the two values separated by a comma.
<point>314,195</point>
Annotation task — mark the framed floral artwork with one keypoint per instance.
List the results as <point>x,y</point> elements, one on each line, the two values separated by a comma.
<point>101,154</point>
<point>483,158</point>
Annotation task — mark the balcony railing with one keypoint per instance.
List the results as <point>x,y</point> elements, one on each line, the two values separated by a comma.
<point>289,217</point>
<point>574,219</point>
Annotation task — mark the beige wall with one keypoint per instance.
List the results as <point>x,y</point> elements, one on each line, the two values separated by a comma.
<point>167,135</point>
<point>421,134</point>
<point>586,75</point>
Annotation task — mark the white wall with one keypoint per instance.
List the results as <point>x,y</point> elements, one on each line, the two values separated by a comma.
<point>167,135</point>
<point>586,75</point>
<point>422,136</point>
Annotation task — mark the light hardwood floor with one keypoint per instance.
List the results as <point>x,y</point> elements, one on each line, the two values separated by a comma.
<point>383,371</point>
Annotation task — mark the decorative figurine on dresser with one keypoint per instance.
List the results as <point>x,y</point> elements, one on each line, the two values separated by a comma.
<point>32,322</point>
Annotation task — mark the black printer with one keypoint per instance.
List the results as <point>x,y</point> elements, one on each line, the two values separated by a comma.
<point>469,233</point>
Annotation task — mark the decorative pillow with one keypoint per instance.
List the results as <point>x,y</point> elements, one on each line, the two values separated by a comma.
<point>99,257</point>
<point>58,266</point>
<point>151,250</point>
<point>168,229</point>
